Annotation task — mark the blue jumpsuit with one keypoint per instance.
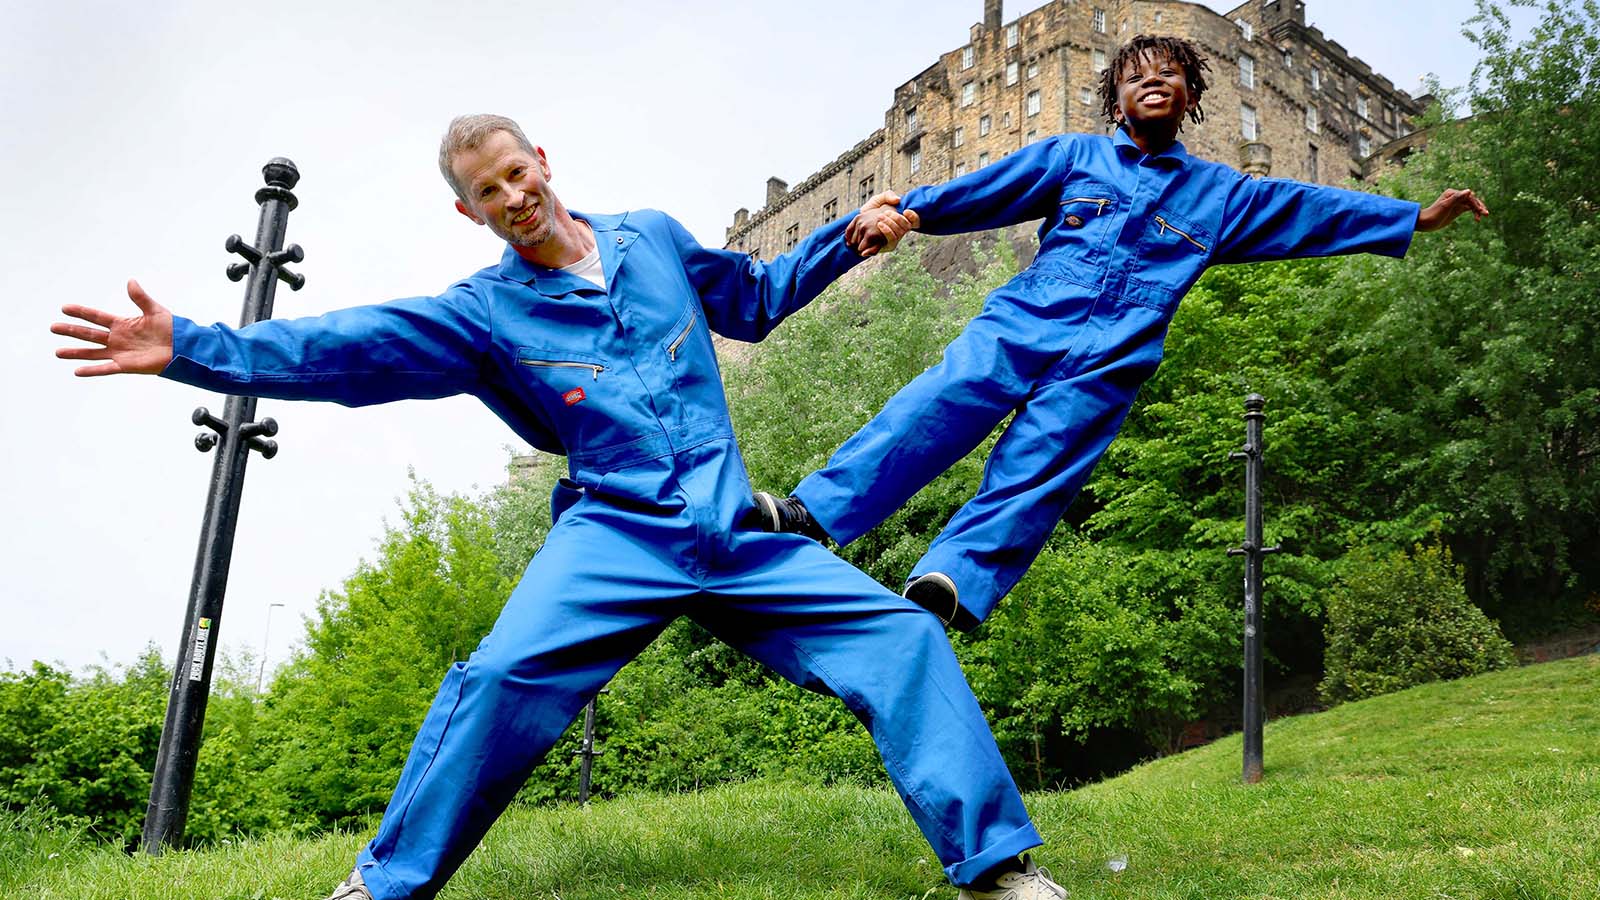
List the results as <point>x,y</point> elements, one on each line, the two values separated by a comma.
<point>624,382</point>
<point>1067,343</point>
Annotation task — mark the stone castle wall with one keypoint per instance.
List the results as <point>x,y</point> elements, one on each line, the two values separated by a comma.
<point>1016,82</point>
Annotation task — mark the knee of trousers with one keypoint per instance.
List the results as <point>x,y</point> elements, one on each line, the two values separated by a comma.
<point>553,682</point>
<point>913,657</point>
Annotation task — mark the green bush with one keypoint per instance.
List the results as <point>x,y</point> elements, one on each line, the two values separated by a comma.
<point>1405,620</point>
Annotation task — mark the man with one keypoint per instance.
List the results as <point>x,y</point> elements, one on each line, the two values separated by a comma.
<point>591,338</point>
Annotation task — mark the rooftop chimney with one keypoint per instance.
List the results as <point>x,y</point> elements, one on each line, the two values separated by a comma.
<point>992,13</point>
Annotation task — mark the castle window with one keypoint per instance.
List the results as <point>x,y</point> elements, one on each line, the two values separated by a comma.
<point>1245,29</point>
<point>1311,162</point>
<point>1247,70</point>
<point>1012,34</point>
<point>916,160</point>
<point>791,236</point>
<point>1099,20</point>
<point>1288,59</point>
<point>1316,78</point>
<point>1364,145</point>
<point>1311,119</point>
<point>1033,69</point>
<point>1247,122</point>
<point>983,160</point>
<point>961,169</point>
<point>1361,106</point>
<point>966,57</point>
<point>969,93</point>
<point>866,187</point>
<point>1086,95</point>
<point>1099,61</point>
<point>1033,136</point>
<point>830,210</point>
<point>983,126</point>
<point>1033,103</point>
<point>911,120</point>
<point>1011,73</point>
<point>959,137</point>
<point>1005,119</point>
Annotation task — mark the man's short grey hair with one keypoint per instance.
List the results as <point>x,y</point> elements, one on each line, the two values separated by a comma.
<point>468,133</point>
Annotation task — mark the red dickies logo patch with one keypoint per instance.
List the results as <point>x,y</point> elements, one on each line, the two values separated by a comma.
<point>574,396</point>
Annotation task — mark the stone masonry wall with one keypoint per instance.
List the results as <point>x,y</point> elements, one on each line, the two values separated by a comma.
<point>1016,82</point>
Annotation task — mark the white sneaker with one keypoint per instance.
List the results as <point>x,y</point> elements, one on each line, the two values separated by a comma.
<point>1032,883</point>
<point>352,888</point>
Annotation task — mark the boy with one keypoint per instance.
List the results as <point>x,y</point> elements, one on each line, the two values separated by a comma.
<point>1130,223</point>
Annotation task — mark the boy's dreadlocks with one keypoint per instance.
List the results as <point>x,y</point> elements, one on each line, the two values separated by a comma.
<point>1185,54</point>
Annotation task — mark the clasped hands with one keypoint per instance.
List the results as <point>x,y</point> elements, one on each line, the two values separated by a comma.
<point>879,225</point>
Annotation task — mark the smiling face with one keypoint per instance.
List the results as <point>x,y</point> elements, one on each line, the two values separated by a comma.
<point>507,188</point>
<point>1153,95</point>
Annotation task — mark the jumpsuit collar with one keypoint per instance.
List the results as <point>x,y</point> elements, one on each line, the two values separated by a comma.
<point>1175,156</point>
<point>612,241</point>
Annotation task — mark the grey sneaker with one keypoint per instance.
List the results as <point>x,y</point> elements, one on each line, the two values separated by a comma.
<point>787,515</point>
<point>352,888</point>
<point>936,593</point>
<point>1032,883</point>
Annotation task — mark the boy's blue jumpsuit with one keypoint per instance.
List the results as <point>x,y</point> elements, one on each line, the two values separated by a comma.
<point>623,381</point>
<point>1068,342</point>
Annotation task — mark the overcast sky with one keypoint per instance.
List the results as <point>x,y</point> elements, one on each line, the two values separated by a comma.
<point>134,137</point>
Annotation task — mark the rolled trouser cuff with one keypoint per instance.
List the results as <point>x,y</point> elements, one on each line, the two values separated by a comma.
<point>965,872</point>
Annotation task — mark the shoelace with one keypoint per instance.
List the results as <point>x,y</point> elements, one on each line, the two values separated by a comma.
<point>1039,877</point>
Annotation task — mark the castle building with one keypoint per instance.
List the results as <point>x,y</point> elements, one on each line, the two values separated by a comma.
<point>1284,99</point>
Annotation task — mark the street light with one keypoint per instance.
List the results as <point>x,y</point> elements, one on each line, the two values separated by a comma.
<point>265,631</point>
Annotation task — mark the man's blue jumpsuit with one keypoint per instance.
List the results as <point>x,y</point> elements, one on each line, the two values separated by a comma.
<point>624,382</point>
<point>1068,342</point>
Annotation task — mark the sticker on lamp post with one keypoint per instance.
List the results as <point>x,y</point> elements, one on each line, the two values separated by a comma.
<point>202,637</point>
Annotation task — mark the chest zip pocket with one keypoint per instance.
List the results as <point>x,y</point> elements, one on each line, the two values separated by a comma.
<point>672,348</point>
<point>1074,220</point>
<point>561,364</point>
<point>1165,226</point>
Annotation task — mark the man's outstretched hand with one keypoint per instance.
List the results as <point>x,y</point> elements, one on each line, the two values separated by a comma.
<point>139,344</point>
<point>879,225</point>
<point>1450,204</point>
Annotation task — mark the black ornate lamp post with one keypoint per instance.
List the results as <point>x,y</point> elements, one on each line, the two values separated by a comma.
<point>234,435</point>
<point>1252,551</point>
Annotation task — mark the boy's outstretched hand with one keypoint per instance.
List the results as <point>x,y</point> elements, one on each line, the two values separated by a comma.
<point>879,226</point>
<point>1450,204</point>
<point>129,344</point>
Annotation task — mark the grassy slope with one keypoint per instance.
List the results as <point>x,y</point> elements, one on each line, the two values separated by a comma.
<point>1482,788</point>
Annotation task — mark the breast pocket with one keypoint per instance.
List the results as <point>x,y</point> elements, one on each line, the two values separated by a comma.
<point>690,359</point>
<point>1173,252</point>
<point>1082,221</point>
<point>559,378</point>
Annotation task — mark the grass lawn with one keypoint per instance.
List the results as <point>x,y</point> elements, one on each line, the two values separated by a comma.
<point>1487,787</point>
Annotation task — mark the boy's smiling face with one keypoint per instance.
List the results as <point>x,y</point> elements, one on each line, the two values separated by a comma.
<point>1153,95</point>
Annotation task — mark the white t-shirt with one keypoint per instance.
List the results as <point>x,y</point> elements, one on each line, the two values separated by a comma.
<point>589,268</point>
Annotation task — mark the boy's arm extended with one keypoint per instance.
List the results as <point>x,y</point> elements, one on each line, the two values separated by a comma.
<point>745,298</point>
<point>418,348</point>
<point>1023,186</point>
<point>1269,219</point>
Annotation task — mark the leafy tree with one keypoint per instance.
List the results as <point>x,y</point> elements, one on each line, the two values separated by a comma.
<point>341,717</point>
